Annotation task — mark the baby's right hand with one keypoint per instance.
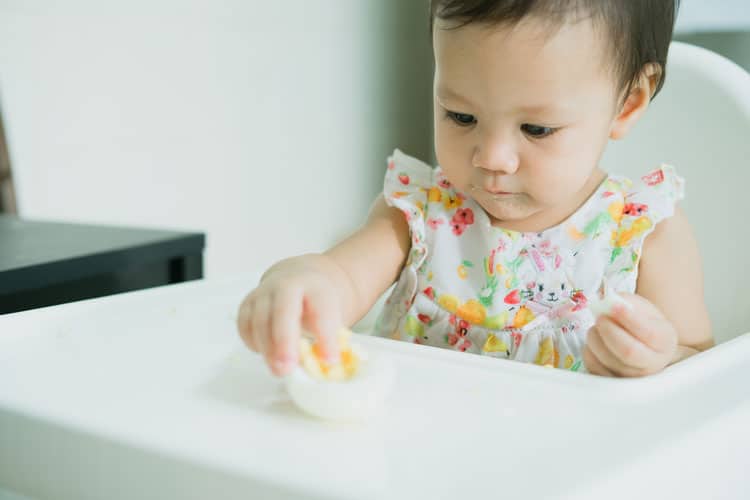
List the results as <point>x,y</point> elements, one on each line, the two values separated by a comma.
<point>291,298</point>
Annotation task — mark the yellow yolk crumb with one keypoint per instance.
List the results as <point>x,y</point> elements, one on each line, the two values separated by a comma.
<point>312,360</point>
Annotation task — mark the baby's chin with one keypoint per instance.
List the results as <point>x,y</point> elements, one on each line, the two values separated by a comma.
<point>509,212</point>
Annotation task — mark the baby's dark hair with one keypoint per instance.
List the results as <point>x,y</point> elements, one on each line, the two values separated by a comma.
<point>639,30</point>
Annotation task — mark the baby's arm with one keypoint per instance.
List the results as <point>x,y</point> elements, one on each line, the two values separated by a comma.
<point>666,320</point>
<point>671,277</point>
<point>322,292</point>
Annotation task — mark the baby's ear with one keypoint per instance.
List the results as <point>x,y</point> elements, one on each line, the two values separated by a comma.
<point>637,101</point>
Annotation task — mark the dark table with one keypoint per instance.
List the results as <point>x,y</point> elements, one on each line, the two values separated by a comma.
<point>47,263</point>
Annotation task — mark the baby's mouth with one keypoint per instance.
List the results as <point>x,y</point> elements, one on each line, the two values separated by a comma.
<point>491,191</point>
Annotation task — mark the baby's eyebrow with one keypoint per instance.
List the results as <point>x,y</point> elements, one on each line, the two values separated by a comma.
<point>553,108</point>
<point>541,108</point>
<point>445,93</point>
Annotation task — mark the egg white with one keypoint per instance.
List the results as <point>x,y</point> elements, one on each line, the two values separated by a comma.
<point>354,399</point>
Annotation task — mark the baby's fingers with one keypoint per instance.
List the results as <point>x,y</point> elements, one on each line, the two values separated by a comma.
<point>245,323</point>
<point>645,322</point>
<point>261,327</point>
<point>617,350</point>
<point>593,365</point>
<point>285,330</point>
<point>321,316</point>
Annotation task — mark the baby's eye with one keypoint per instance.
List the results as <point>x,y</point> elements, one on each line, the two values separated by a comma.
<point>537,131</point>
<point>461,119</point>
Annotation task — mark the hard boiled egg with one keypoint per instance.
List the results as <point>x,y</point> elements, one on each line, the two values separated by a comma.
<point>352,389</point>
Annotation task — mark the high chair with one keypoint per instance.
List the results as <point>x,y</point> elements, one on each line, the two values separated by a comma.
<point>700,123</point>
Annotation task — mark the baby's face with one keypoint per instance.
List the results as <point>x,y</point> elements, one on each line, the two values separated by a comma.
<point>521,118</point>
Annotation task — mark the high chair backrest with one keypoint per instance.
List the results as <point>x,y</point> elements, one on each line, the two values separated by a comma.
<point>700,123</point>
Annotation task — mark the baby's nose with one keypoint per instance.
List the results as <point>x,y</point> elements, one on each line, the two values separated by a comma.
<point>496,154</point>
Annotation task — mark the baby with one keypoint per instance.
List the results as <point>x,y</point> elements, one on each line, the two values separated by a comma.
<point>501,250</point>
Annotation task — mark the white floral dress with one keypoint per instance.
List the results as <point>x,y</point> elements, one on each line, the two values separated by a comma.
<point>473,287</point>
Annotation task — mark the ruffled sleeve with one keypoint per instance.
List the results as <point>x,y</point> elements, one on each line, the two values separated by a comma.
<point>406,187</point>
<point>650,200</point>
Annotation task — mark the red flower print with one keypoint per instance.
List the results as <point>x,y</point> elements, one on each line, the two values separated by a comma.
<point>429,292</point>
<point>579,299</point>
<point>434,223</point>
<point>424,318</point>
<point>403,178</point>
<point>465,344</point>
<point>513,297</point>
<point>635,209</point>
<point>654,178</point>
<point>459,338</point>
<point>464,216</point>
<point>444,183</point>
<point>391,165</point>
<point>458,228</point>
<point>516,336</point>
<point>462,328</point>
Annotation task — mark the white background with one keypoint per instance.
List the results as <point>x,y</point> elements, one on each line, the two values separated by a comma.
<point>265,124</point>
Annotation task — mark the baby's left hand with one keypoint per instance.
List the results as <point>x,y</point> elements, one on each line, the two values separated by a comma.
<point>631,341</point>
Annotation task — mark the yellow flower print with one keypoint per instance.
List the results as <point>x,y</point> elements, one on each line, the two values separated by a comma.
<point>523,316</point>
<point>640,225</point>
<point>494,344</point>
<point>615,210</point>
<point>496,322</point>
<point>513,235</point>
<point>462,272</point>
<point>420,208</point>
<point>451,202</point>
<point>568,361</point>
<point>575,234</point>
<point>448,302</point>
<point>463,269</point>
<point>499,269</point>
<point>472,311</point>
<point>399,194</point>
<point>547,354</point>
<point>434,194</point>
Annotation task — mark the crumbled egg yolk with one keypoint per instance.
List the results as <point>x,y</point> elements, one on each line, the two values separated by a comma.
<point>312,360</point>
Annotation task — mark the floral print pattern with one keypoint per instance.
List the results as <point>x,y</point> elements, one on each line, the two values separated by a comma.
<point>473,287</point>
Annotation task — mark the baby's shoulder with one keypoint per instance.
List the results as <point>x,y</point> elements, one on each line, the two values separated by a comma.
<point>651,196</point>
<point>662,182</point>
<point>411,182</point>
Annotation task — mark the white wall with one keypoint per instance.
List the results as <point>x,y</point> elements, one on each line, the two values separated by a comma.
<point>717,15</point>
<point>265,124</point>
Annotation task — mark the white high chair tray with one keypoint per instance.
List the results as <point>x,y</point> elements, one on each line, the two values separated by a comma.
<point>151,395</point>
